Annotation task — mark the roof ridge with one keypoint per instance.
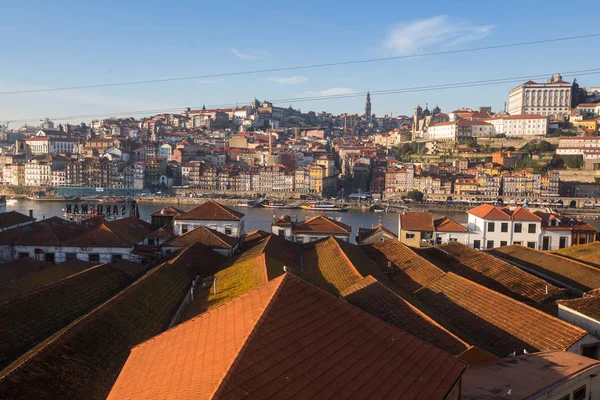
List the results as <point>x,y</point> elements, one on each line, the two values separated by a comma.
<point>43,345</point>
<point>510,299</point>
<point>48,285</point>
<point>257,323</point>
<point>561,257</point>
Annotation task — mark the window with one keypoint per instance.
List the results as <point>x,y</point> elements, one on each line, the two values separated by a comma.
<point>546,243</point>
<point>23,255</point>
<point>504,227</point>
<point>95,258</point>
<point>116,258</point>
<point>410,235</point>
<point>70,256</point>
<point>453,240</point>
<point>531,245</point>
<point>579,394</point>
<point>313,239</point>
<point>518,228</point>
<point>228,230</point>
<point>49,257</point>
<point>477,244</point>
<point>491,226</point>
<point>531,228</point>
<point>503,243</point>
<point>562,242</point>
<point>184,228</point>
<point>281,232</point>
<point>490,244</point>
<point>438,240</point>
<point>519,243</point>
<point>299,240</point>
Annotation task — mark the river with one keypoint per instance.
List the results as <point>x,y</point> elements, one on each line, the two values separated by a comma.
<point>256,218</point>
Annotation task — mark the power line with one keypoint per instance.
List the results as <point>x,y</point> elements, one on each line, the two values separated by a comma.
<point>310,66</point>
<point>457,85</point>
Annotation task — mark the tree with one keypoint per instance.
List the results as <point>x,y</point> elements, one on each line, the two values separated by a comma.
<point>415,195</point>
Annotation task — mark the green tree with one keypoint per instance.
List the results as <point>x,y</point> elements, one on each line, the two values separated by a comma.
<point>415,195</point>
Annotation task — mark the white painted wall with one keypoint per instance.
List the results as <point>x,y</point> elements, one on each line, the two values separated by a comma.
<point>237,227</point>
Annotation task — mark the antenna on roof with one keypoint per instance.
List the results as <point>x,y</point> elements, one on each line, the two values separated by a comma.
<point>546,289</point>
<point>215,286</point>
<point>286,269</point>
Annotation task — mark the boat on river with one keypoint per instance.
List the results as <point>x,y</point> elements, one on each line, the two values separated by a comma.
<point>320,206</point>
<point>277,204</point>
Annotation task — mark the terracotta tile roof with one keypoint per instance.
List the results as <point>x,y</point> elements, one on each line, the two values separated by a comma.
<point>577,275</point>
<point>168,211</point>
<point>254,235</point>
<point>496,322</point>
<point>335,265</point>
<point>208,237</point>
<point>588,305</point>
<point>488,211</point>
<point>445,224</point>
<point>32,317</point>
<point>322,345</point>
<point>49,232</point>
<point>372,296</point>
<point>365,233</point>
<point>411,271</point>
<point>585,253</point>
<point>125,232</point>
<point>20,268</point>
<point>491,272</point>
<point>164,232</point>
<point>12,218</point>
<point>521,214</point>
<point>82,360</point>
<point>529,376</point>
<point>475,356</point>
<point>284,220</point>
<point>39,279</point>
<point>211,211</point>
<point>416,221</point>
<point>322,225</point>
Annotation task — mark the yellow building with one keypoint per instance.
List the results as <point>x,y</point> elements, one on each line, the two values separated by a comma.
<point>466,186</point>
<point>317,175</point>
<point>587,124</point>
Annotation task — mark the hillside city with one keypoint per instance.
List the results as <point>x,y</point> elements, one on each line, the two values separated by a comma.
<point>536,149</point>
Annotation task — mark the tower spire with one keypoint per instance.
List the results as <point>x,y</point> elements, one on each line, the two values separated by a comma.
<point>368,105</point>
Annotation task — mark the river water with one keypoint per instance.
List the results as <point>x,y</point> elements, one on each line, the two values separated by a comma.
<point>256,218</point>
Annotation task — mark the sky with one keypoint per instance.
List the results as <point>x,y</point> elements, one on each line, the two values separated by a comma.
<point>49,44</point>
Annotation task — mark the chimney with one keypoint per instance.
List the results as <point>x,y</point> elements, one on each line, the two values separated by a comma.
<point>30,213</point>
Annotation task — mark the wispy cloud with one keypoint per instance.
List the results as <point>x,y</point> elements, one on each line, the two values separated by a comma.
<point>332,92</point>
<point>291,80</point>
<point>415,36</point>
<point>243,55</point>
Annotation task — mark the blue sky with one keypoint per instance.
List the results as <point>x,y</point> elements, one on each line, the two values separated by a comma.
<point>65,43</point>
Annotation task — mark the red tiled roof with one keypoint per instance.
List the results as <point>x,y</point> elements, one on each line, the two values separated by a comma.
<point>125,232</point>
<point>12,218</point>
<point>488,211</point>
<point>20,268</point>
<point>82,360</point>
<point>39,279</point>
<point>167,211</point>
<point>208,237</point>
<point>211,211</point>
<point>585,253</point>
<point>445,224</point>
<point>498,323</point>
<point>491,272</point>
<point>292,329</point>
<point>49,232</point>
<point>575,274</point>
<point>365,233</point>
<point>372,296</point>
<point>521,214</point>
<point>411,271</point>
<point>322,225</point>
<point>416,221</point>
<point>284,220</point>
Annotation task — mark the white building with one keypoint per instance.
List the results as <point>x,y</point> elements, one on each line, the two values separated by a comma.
<point>496,227</point>
<point>589,109</point>
<point>447,230</point>
<point>49,145</point>
<point>547,99</point>
<point>211,215</point>
<point>520,125</point>
<point>459,130</point>
<point>165,151</point>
